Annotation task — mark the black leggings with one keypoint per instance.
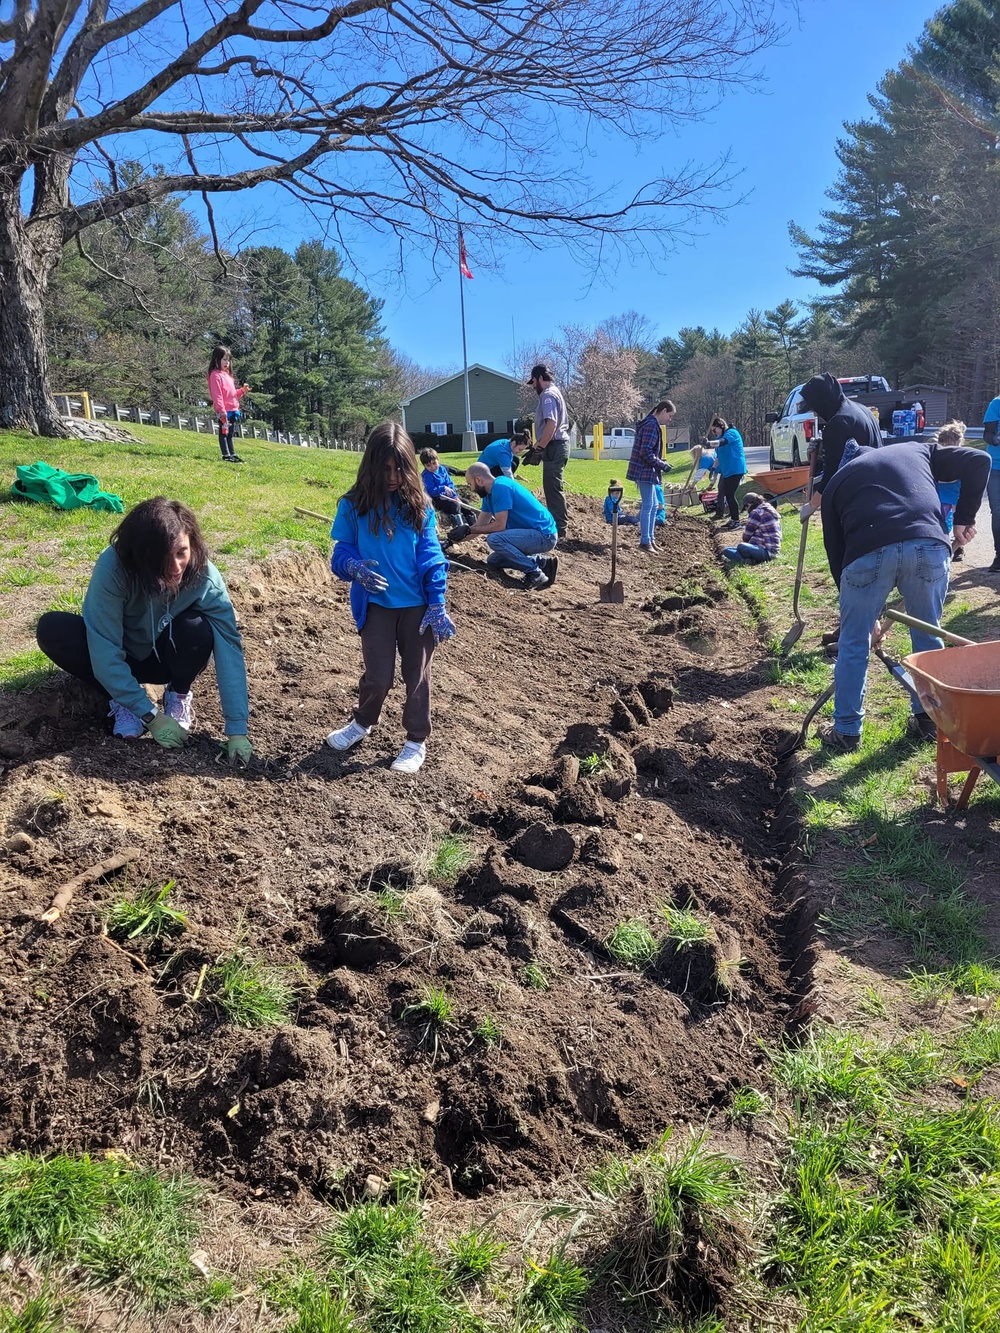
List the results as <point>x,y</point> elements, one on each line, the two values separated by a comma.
<point>728,486</point>
<point>62,636</point>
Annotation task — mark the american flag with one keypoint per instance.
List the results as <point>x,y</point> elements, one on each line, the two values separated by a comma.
<point>463,262</point>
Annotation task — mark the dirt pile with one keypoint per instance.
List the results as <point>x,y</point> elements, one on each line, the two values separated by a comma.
<point>603,771</point>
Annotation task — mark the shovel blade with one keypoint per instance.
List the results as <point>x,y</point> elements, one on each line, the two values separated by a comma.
<point>612,592</point>
<point>791,638</point>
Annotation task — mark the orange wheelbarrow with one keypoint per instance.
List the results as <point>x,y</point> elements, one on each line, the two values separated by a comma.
<point>960,691</point>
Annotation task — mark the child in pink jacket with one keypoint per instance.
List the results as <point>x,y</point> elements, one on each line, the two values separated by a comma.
<point>225,399</point>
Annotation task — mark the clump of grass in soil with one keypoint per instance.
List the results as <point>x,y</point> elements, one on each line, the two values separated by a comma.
<point>391,903</point>
<point>553,1294</point>
<point>634,944</point>
<point>434,1011</point>
<point>121,1226</point>
<point>977,1046</point>
<point>489,1031</point>
<point>844,1067</point>
<point>747,1104</point>
<point>667,1226</point>
<point>534,977</point>
<point>683,927</point>
<point>147,914</point>
<point>37,1314</point>
<point>251,993</point>
<point>474,1254</point>
<point>451,855</point>
<point>595,765</point>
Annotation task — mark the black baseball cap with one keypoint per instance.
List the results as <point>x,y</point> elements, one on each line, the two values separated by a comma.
<point>540,371</point>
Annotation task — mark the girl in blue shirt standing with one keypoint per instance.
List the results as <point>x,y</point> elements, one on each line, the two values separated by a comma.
<point>386,546</point>
<point>732,465</point>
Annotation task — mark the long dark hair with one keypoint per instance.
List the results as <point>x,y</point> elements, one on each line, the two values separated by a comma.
<point>370,494</point>
<point>219,355</point>
<point>145,538</point>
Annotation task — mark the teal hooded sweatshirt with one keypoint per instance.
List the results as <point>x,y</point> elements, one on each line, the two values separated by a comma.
<point>121,621</point>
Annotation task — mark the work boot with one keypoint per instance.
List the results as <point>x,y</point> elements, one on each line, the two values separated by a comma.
<point>535,581</point>
<point>922,726</point>
<point>128,725</point>
<point>347,736</point>
<point>833,739</point>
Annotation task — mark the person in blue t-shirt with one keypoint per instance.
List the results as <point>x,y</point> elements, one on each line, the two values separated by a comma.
<point>385,544</point>
<point>519,530</point>
<point>503,456</point>
<point>991,435</point>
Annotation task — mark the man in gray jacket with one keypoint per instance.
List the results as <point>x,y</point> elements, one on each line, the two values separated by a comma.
<point>552,439</point>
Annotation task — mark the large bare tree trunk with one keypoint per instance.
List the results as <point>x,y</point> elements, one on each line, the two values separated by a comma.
<point>25,402</point>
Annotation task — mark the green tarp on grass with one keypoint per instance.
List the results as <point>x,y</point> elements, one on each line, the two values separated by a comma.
<point>51,486</point>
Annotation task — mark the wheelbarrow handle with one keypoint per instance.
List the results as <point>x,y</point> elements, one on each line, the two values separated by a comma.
<point>928,628</point>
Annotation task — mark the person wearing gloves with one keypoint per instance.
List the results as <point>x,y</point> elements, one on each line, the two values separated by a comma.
<point>519,530</point>
<point>731,462</point>
<point>225,399</point>
<point>502,457</point>
<point>883,529</point>
<point>156,610</point>
<point>842,420</point>
<point>385,545</point>
<point>646,465</point>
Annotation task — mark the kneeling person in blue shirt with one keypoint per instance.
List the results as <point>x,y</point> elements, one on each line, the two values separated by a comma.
<point>503,456</point>
<point>519,530</point>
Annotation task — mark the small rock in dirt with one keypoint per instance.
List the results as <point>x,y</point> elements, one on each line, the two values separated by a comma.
<point>374,1187</point>
<point>544,848</point>
<point>580,805</point>
<point>566,771</point>
<point>539,796</point>
<point>20,842</point>
<point>431,1111</point>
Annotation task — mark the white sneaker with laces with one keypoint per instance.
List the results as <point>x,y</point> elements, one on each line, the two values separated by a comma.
<point>180,707</point>
<point>127,724</point>
<point>410,757</point>
<point>347,736</point>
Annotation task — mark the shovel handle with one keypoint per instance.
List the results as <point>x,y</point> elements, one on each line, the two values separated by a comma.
<point>614,542</point>
<point>928,628</point>
<point>311,513</point>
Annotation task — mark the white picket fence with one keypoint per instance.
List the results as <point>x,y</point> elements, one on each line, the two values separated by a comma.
<point>198,420</point>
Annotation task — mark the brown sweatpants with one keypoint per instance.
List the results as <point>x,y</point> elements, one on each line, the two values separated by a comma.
<point>386,630</point>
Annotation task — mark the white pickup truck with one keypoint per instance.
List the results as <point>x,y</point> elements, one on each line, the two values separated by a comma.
<point>792,432</point>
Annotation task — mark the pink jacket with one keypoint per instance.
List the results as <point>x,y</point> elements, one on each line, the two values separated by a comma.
<point>225,395</point>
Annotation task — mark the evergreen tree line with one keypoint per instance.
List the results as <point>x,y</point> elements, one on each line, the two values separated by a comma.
<point>911,247</point>
<point>133,313</point>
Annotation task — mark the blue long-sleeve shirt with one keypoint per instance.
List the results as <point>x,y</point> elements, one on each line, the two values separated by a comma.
<point>438,483</point>
<point>412,561</point>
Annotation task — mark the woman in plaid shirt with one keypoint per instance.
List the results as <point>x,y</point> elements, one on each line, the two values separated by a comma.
<point>646,465</point>
<point>761,536</point>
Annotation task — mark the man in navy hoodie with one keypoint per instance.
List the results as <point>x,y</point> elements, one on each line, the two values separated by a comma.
<point>883,529</point>
<point>842,420</point>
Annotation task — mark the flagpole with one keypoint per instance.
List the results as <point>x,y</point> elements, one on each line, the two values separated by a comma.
<point>467,443</point>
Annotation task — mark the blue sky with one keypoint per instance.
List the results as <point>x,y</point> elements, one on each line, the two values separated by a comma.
<point>781,137</point>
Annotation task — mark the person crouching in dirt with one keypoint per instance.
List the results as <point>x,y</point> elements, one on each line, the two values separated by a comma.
<point>612,502</point>
<point>519,530</point>
<point>156,610</point>
<point>503,457</point>
<point>386,547</point>
<point>441,490</point>
<point>761,536</point>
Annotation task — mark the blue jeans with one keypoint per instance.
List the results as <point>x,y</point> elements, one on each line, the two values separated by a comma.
<point>647,511</point>
<point>919,569</point>
<point>746,553</point>
<point>993,495</point>
<point>515,548</point>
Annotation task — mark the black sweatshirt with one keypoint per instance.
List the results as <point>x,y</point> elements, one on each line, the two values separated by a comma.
<point>843,420</point>
<point>888,495</point>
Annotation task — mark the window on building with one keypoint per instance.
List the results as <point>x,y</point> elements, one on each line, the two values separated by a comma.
<point>439,428</point>
<point>481,427</point>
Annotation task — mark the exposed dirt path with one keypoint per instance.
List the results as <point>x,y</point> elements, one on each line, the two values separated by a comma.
<point>288,860</point>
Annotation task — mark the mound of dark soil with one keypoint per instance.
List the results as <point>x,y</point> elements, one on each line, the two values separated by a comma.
<point>601,770</point>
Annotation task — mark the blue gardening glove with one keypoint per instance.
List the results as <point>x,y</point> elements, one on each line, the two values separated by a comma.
<point>166,732</point>
<point>363,572</point>
<point>439,622</point>
<point>238,750</point>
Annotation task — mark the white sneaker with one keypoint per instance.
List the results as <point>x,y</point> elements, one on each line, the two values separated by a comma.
<point>127,724</point>
<point>180,707</point>
<point>410,757</point>
<point>347,736</point>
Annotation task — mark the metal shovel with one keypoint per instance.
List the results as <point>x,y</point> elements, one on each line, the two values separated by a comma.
<point>795,633</point>
<point>613,591</point>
